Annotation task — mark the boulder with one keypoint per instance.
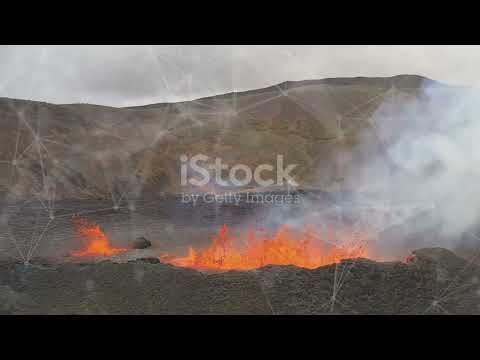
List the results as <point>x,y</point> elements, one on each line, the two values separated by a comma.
<point>141,243</point>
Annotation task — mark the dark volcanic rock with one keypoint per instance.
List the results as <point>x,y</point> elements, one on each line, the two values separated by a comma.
<point>141,243</point>
<point>432,281</point>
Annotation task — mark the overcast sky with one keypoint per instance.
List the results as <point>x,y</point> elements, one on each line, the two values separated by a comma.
<point>141,74</point>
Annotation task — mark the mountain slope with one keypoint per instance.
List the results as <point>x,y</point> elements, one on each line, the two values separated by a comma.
<point>88,151</point>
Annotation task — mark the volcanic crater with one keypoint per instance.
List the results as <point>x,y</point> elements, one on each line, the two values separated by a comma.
<point>86,181</point>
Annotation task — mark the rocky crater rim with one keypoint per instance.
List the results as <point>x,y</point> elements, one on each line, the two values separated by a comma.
<point>436,255</point>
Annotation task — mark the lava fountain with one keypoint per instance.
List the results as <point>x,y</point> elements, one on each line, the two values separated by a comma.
<point>95,240</point>
<point>287,247</point>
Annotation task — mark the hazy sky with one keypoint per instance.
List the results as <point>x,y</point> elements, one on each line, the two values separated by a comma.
<point>141,74</point>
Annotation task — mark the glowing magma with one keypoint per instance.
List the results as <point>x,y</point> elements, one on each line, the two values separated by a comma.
<point>303,249</point>
<point>96,242</point>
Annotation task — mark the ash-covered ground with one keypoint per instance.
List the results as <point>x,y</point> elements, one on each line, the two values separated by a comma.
<point>432,281</point>
<point>173,225</point>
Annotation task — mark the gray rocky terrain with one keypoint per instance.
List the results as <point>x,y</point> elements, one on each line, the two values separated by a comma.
<point>431,281</point>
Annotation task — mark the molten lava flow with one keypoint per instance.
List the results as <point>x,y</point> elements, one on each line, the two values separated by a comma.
<point>285,248</point>
<point>96,242</point>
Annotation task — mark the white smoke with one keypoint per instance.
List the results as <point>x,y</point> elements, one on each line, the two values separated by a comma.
<point>411,174</point>
<point>429,141</point>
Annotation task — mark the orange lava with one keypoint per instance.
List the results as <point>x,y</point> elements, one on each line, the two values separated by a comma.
<point>287,247</point>
<point>96,242</point>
